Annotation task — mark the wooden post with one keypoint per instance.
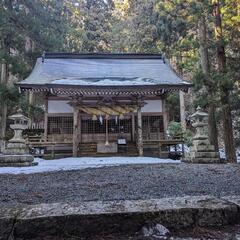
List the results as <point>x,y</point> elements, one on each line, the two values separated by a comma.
<point>133,127</point>
<point>182,110</point>
<point>31,102</point>
<point>140,136</point>
<point>76,126</point>
<point>165,117</point>
<point>107,140</point>
<point>80,128</point>
<point>159,149</point>
<point>46,120</point>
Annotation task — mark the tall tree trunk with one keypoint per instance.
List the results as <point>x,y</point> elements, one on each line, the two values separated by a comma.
<point>226,109</point>
<point>3,111</point>
<point>204,57</point>
<point>181,98</point>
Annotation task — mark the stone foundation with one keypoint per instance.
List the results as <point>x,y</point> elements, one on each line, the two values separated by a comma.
<point>16,161</point>
<point>88,219</point>
<point>202,154</point>
<point>15,148</point>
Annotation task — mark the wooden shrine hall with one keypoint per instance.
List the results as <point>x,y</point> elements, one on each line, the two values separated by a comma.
<point>104,103</point>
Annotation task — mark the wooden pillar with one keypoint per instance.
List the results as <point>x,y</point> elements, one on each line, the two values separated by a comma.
<point>165,117</point>
<point>76,127</point>
<point>182,110</point>
<point>133,127</point>
<point>80,128</point>
<point>140,135</point>
<point>46,120</point>
<point>31,102</point>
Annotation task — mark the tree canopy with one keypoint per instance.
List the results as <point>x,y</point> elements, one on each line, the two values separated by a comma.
<point>195,35</point>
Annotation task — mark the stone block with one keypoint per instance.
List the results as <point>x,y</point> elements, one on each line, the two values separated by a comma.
<point>16,160</point>
<point>204,155</point>
<point>89,219</point>
<point>202,148</point>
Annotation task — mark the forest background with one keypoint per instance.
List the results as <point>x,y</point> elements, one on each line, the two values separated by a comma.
<point>200,39</point>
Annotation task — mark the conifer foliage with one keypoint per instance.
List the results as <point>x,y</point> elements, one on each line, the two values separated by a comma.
<point>200,37</point>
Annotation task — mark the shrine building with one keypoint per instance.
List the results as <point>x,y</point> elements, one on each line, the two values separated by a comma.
<point>104,103</point>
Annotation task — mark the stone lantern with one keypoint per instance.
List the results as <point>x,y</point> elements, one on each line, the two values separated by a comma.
<point>16,152</point>
<point>201,151</point>
<point>20,123</point>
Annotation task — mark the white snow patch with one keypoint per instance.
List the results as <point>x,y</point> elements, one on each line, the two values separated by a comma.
<point>104,82</point>
<point>66,164</point>
<point>223,155</point>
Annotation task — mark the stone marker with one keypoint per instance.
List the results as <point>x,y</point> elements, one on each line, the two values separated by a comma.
<point>15,153</point>
<point>201,151</point>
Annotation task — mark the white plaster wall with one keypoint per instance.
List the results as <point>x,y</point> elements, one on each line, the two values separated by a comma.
<point>152,106</point>
<point>59,107</point>
<point>54,106</point>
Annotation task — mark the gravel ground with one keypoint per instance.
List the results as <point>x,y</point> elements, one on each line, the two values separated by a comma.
<point>123,182</point>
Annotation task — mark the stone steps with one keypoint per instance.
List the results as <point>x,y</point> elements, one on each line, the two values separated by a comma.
<point>90,219</point>
<point>90,149</point>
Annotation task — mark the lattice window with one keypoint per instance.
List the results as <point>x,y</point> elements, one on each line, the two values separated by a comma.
<point>152,127</point>
<point>90,126</point>
<point>60,125</point>
<point>120,125</point>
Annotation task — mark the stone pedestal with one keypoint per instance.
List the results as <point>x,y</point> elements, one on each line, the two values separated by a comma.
<point>201,151</point>
<point>15,153</point>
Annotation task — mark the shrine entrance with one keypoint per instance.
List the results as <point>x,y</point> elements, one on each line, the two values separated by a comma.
<point>94,130</point>
<point>106,123</point>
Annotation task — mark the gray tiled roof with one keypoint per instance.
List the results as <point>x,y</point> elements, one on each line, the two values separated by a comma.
<point>95,71</point>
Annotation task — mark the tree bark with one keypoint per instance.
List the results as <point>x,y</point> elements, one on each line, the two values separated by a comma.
<point>228,129</point>
<point>4,80</point>
<point>221,66</point>
<point>205,65</point>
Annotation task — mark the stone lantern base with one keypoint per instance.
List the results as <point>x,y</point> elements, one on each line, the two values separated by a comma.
<point>16,161</point>
<point>16,155</point>
<point>202,154</point>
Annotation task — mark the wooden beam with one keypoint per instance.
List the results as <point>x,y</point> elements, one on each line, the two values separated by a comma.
<point>76,126</point>
<point>165,116</point>
<point>182,110</point>
<point>46,120</point>
<point>140,135</point>
<point>133,127</point>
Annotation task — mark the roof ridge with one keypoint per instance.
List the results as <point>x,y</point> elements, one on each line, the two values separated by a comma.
<point>49,55</point>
